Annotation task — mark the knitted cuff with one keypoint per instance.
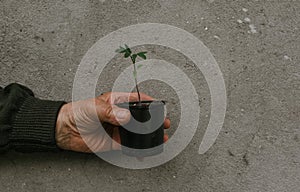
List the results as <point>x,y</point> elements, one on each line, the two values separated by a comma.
<point>33,128</point>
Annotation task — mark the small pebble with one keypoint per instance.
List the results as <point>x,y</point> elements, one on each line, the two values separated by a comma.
<point>252,28</point>
<point>216,37</point>
<point>239,21</point>
<point>247,19</point>
<point>245,10</point>
<point>286,57</point>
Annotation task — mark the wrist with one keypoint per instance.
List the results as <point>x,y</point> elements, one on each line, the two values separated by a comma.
<point>62,131</point>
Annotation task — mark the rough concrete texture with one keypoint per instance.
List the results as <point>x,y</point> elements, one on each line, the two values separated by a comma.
<point>256,44</point>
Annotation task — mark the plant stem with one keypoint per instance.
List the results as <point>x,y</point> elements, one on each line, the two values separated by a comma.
<point>135,79</point>
<point>136,85</point>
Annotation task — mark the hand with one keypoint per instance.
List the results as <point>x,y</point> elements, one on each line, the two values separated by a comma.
<point>82,113</point>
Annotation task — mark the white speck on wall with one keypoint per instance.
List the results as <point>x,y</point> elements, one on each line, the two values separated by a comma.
<point>252,28</point>
<point>286,57</point>
<point>239,21</point>
<point>245,10</point>
<point>247,19</point>
<point>217,37</point>
<point>206,28</point>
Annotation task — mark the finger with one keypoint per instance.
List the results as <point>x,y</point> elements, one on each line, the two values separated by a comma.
<point>166,138</point>
<point>112,114</point>
<point>167,123</point>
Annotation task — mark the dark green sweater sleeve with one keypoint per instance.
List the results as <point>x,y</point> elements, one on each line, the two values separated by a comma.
<point>27,123</point>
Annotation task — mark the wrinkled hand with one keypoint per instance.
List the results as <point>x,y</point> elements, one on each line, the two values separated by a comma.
<point>78,122</point>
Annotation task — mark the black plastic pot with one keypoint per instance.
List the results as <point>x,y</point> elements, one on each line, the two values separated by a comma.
<point>144,134</point>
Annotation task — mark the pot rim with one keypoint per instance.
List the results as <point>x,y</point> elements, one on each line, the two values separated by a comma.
<point>133,104</point>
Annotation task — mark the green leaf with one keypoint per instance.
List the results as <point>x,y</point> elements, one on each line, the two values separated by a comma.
<point>139,66</point>
<point>128,50</point>
<point>142,55</point>
<point>127,54</point>
<point>121,50</point>
<point>133,57</point>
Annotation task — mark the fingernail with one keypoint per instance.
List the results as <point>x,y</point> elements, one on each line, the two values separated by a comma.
<point>122,114</point>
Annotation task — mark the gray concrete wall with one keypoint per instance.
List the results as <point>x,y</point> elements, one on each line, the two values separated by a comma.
<point>42,43</point>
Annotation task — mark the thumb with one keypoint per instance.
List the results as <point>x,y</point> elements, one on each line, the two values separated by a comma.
<point>113,114</point>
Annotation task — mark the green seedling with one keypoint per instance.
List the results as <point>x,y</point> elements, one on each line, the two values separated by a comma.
<point>133,56</point>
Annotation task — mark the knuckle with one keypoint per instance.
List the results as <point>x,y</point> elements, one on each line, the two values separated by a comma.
<point>108,112</point>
